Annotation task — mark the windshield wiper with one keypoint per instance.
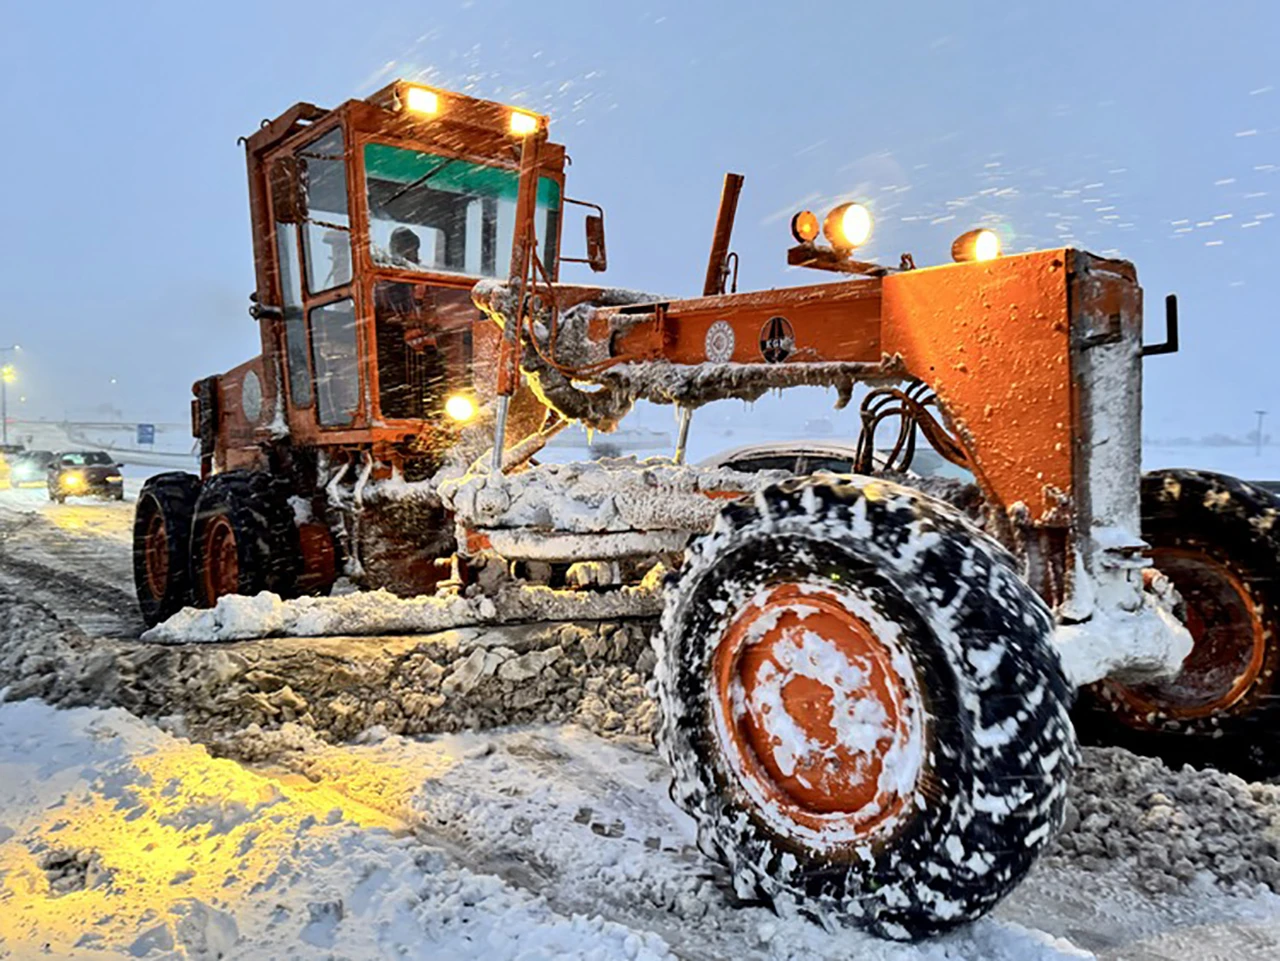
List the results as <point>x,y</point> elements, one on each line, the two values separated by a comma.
<point>417,183</point>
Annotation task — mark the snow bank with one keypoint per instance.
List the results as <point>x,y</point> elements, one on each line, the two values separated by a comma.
<point>1167,828</point>
<point>589,672</point>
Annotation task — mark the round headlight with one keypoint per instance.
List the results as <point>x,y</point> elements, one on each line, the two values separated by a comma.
<point>460,407</point>
<point>847,226</point>
<point>980,244</point>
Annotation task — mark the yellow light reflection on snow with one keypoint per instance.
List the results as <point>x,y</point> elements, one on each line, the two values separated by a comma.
<point>182,826</point>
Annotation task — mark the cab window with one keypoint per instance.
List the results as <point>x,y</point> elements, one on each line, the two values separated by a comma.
<point>424,345</point>
<point>326,233</point>
<point>437,213</point>
<point>295,327</point>
<point>333,347</point>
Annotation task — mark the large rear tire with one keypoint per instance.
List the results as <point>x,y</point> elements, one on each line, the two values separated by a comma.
<point>861,706</point>
<point>243,539</point>
<point>1218,540</point>
<point>162,544</point>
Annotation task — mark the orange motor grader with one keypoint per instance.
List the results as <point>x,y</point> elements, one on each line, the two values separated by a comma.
<point>864,687</point>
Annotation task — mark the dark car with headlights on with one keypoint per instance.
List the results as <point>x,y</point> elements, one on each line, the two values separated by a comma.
<point>84,473</point>
<point>28,468</point>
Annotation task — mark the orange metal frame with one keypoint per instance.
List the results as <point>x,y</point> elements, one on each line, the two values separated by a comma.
<point>998,341</point>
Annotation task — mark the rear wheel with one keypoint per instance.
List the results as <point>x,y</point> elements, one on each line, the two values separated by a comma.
<point>161,544</point>
<point>243,539</point>
<point>1218,540</point>
<point>861,706</point>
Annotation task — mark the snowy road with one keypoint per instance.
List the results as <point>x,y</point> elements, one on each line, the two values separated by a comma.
<point>118,839</point>
<point>74,558</point>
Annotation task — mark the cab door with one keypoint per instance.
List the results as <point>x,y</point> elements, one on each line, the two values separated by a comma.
<point>313,245</point>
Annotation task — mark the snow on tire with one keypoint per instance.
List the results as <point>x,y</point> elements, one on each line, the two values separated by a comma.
<point>861,706</point>
<point>1218,540</point>
<point>243,539</point>
<point>162,543</point>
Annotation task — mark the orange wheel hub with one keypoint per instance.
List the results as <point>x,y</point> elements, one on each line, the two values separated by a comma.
<point>1228,633</point>
<point>221,563</point>
<point>155,546</point>
<point>818,721</point>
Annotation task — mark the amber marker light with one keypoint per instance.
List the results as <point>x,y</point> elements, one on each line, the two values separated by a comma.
<point>804,226</point>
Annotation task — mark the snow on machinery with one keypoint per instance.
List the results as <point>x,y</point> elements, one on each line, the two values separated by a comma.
<point>864,690</point>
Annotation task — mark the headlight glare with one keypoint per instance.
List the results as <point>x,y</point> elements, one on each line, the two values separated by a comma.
<point>980,244</point>
<point>847,226</point>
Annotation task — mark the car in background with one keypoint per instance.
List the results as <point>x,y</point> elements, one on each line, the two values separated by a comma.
<point>84,473</point>
<point>811,456</point>
<point>28,468</point>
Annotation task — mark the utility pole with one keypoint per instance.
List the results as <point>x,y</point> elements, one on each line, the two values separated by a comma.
<point>7,376</point>
<point>1261,414</point>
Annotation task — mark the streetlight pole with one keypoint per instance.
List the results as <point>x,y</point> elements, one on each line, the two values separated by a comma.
<point>1261,414</point>
<point>7,375</point>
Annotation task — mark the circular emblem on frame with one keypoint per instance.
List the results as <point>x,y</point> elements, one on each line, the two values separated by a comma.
<point>777,340</point>
<point>720,342</point>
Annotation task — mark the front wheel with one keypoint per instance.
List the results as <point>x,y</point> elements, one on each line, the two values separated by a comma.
<point>1218,540</point>
<point>861,706</point>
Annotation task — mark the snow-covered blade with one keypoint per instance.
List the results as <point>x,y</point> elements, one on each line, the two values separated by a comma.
<point>236,618</point>
<point>609,495</point>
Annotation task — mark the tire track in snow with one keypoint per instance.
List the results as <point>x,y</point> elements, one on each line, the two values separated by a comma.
<point>587,825</point>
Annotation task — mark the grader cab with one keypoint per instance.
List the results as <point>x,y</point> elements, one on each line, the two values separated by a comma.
<point>864,684</point>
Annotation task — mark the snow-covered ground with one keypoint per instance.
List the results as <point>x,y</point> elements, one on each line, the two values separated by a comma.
<point>74,557</point>
<point>119,839</point>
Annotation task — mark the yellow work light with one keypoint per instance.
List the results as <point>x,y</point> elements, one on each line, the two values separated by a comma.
<point>460,407</point>
<point>523,123</point>
<point>847,226</point>
<point>980,244</point>
<point>422,100</point>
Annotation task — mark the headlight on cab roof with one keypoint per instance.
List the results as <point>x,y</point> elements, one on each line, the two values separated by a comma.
<point>522,123</point>
<point>422,100</point>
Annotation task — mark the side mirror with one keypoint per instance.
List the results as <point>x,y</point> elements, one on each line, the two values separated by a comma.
<point>597,257</point>
<point>288,197</point>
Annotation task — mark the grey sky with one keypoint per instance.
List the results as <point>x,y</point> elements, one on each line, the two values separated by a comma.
<point>126,244</point>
